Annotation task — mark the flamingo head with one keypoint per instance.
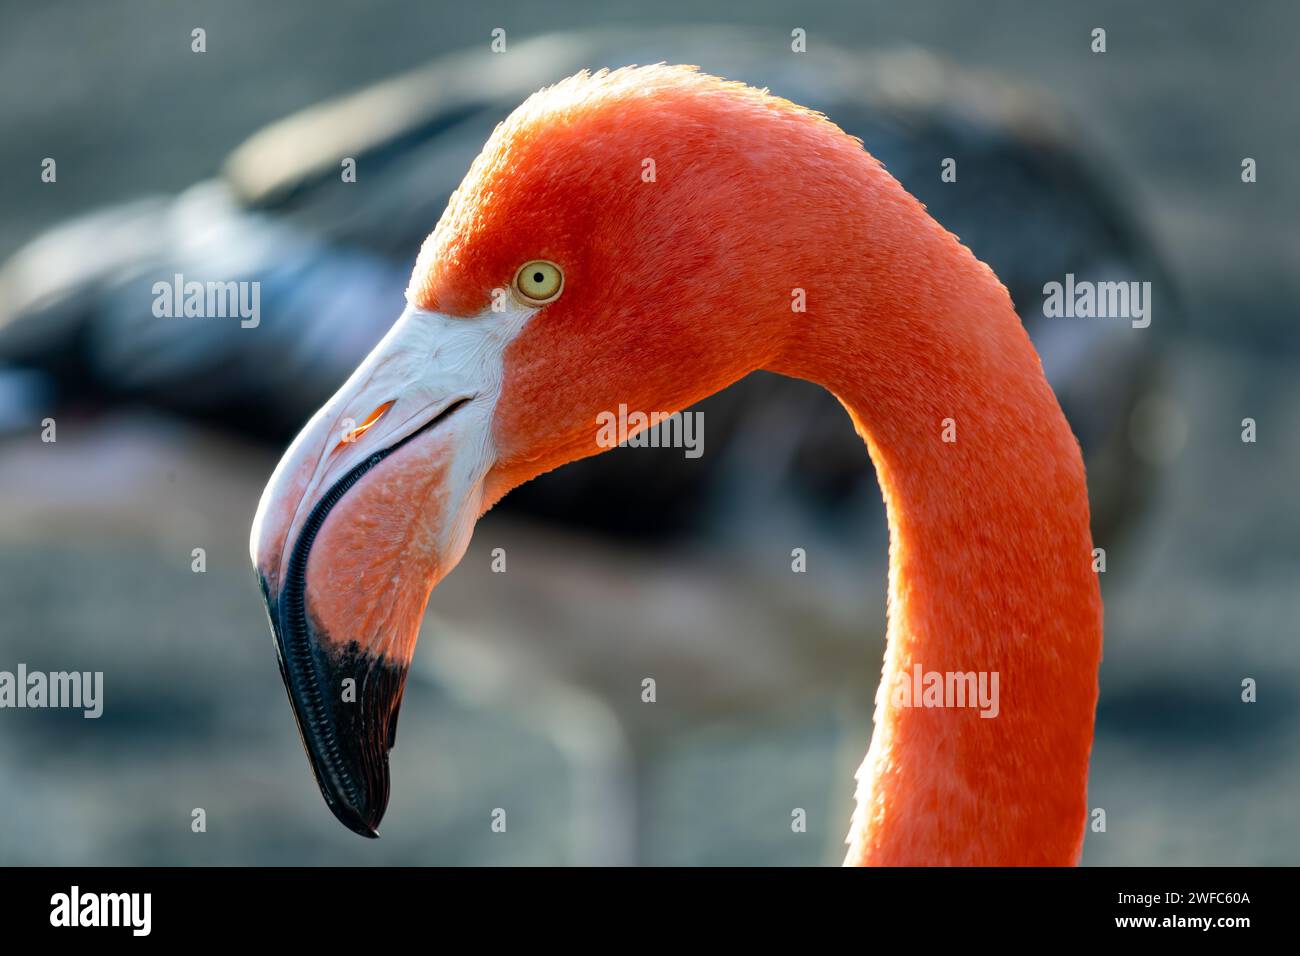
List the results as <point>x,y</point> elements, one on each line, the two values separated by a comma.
<point>616,243</point>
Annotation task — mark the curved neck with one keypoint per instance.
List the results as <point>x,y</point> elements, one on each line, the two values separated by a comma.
<point>991,590</point>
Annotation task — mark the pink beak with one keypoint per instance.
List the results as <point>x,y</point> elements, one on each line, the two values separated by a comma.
<point>372,504</point>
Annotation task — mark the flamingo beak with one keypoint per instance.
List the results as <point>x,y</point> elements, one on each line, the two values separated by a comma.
<point>370,507</point>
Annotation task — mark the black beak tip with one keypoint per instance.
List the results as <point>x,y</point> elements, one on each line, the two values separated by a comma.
<point>346,703</point>
<point>366,825</point>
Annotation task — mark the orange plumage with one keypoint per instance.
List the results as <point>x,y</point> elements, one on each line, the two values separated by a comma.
<point>680,286</point>
<point>690,215</point>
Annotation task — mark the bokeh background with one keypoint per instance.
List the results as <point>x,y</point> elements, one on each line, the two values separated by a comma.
<point>526,690</point>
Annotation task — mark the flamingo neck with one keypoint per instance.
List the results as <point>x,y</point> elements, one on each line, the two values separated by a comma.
<point>991,590</point>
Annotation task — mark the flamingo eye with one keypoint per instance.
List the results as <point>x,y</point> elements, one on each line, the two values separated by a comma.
<point>539,282</point>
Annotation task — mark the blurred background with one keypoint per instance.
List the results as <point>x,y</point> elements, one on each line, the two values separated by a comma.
<point>526,691</point>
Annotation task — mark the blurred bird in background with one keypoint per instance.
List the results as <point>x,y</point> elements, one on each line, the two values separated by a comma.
<point>332,262</point>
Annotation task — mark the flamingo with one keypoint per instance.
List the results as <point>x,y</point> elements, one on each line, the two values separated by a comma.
<point>646,237</point>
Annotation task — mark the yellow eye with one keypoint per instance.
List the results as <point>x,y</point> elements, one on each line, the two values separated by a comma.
<point>539,282</point>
